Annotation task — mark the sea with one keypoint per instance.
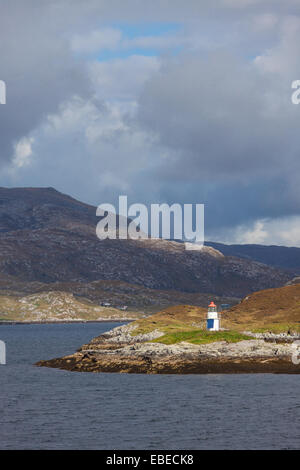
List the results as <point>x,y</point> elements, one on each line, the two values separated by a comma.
<point>43,408</point>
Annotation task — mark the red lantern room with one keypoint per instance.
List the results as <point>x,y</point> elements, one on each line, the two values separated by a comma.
<point>212,307</point>
<point>213,321</point>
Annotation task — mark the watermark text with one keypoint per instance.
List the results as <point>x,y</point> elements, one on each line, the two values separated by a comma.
<point>178,222</point>
<point>2,92</point>
<point>296,352</point>
<point>2,353</point>
<point>296,95</point>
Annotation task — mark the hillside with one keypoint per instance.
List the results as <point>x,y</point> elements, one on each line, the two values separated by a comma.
<point>56,306</point>
<point>23,209</point>
<point>273,309</point>
<point>49,237</point>
<point>116,293</point>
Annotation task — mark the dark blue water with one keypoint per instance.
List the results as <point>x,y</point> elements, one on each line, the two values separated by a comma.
<point>43,408</point>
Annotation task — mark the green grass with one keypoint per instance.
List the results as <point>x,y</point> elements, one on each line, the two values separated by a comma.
<point>145,327</point>
<point>201,337</point>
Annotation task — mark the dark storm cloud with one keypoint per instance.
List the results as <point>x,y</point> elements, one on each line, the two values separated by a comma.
<point>217,112</point>
<point>234,133</point>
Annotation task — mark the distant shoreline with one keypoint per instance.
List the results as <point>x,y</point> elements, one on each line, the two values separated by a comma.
<point>47,322</point>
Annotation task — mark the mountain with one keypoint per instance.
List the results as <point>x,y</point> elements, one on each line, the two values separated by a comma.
<point>48,237</point>
<point>278,256</point>
<point>32,209</point>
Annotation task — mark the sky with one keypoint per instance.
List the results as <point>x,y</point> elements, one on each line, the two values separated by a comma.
<point>162,101</point>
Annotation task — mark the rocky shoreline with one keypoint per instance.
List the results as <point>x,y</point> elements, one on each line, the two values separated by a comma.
<point>119,351</point>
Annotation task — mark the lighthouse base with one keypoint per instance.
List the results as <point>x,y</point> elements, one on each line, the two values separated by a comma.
<point>213,324</point>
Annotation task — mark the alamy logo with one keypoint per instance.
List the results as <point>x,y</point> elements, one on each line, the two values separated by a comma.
<point>2,92</point>
<point>2,353</point>
<point>296,352</point>
<point>163,221</point>
<point>296,94</point>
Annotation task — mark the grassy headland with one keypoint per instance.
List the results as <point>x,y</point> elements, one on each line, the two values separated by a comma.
<point>176,341</point>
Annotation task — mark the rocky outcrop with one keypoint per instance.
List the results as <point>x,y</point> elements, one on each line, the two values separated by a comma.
<point>276,338</point>
<point>240,350</point>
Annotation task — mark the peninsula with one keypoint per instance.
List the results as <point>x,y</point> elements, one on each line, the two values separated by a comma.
<point>257,336</point>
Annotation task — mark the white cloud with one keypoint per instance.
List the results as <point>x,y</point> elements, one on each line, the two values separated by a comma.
<point>111,39</point>
<point>240,3</point>
<point>265,22</point>
<point>258,234</point>
<point>122,79</point>
<point>164,41</point>
<point>283,58</point>
<point>278,231</point>
<point>23,152</point>
<point>87,149</point>
<point>97,40</point>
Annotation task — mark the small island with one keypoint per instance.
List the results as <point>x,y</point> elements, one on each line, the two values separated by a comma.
<point>256,336</point>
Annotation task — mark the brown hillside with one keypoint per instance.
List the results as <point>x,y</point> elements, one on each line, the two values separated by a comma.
<point>179,317</point>
<point>276,310</point>
<point>271,306</point>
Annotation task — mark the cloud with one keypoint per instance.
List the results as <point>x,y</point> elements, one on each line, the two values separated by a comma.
<point>265,22</point>
<point>206,118</point>
<point>134,70</point>
<point>110,39</point>
<point>232,129</point>
<point>38,69</point>
<point>88,149</point>
<point>222,113</point>
<point>279,231</point>
<point>164,41</point>
<point>23,152</point>
<point>106,38</point>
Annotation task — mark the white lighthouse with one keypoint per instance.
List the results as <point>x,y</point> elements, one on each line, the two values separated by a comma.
<point>213,321</point>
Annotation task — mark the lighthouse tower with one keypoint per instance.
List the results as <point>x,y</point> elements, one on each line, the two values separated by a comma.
<point>213,321</point>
